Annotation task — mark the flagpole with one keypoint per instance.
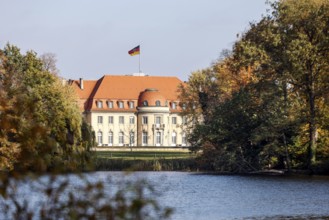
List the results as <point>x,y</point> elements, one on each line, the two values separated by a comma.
<point>139,62</point>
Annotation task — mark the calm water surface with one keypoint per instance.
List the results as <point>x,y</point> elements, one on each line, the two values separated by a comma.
<point>212,197</point>
<point>195,196</point>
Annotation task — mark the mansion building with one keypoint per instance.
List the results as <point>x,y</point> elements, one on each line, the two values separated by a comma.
<point>136,110</point>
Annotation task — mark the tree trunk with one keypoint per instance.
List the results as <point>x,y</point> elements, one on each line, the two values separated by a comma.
<point>312,124</point>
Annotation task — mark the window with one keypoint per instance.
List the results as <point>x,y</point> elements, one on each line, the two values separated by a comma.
<point>173,105</point>
<point>99,138</point>
<point>131,105</point>
<point>145,138</point>
<point>110,138</point>
<point>120,104</point>
<point>145,103</point>
<point>173,138</point>
<point>145,120</point>
<point>100,119</point>
<point>184,106</point>
<point>184,139</point>
<point>157,103</point>
<point>184,120</point>
<point>157,120</point>
<point>132,120</point>
<point>99,104</point>
<point>174,120</point>
<point>158,138</point>
<point>121,138</point>
<point>110,104</point>
<point>121,119</point>
<point>131,138</point>
<point>111,120</point>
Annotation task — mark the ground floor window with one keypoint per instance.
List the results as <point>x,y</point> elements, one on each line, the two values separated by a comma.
<point>184,139</point>
<point>121,138</point>
<point>158,138</point>
<point>110,138</point>
<point>145,138</point>
<point>99,138</point>
<point>173,139</point>
<point>132,138</point>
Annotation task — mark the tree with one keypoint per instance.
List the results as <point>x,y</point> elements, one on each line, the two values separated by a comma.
<point>41,122</point>
<point>293,43</point>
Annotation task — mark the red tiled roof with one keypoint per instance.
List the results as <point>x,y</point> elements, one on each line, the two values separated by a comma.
<point>129,87</point>
<point>116,87</point>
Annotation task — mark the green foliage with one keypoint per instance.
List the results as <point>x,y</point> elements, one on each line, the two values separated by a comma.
<point>41,123</point>
<point>276,100</point>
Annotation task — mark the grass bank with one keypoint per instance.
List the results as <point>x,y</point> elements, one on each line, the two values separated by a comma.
<point>144,159</point>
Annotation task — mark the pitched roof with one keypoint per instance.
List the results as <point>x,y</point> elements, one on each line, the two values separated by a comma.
<point>88,85</point>
<point>129,87</point>
<point>118,87</point>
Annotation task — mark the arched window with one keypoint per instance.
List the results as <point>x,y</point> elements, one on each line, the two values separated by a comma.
<point>99,138</point>
<point>132,138</point>
<point>158,138</point>
<point>157,103</point>
<point>121,138</point>
<point>145,103</point>
<point>110,138</point>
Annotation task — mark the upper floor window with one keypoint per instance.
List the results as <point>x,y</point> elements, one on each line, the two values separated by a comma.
<point>184,120</point>
<point>111,121</point>
<point>145,120</point>
<point>157,120</point>
<point>110,104</point>
<point>174,120</point>
<point>121,119</point>
<point>157,103</point>
<point>131,105</point>
<point>131,120</point>
<point>99,104</point>
<point>100,119</point>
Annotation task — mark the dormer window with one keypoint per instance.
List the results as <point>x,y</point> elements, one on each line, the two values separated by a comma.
<point>131,105</point>
<point>110,104</point>
<point>145,103</point>
<point>120,104</point>
<point>99,104</point>
<point>157,103</point>
<point>173,105</point>
<point>184,106</point>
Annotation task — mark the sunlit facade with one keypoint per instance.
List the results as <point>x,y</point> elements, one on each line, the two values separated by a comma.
<point>133,110</point>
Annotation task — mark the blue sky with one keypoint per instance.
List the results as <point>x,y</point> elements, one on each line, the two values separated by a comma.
<point>91,38</point>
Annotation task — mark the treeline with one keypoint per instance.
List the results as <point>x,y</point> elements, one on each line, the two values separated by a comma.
<point>41,125</point>
<point>265,103</point>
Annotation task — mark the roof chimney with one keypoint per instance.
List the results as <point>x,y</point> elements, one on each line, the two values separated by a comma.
<point>81,83</point>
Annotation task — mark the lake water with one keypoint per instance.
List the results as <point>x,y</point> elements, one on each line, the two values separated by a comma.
<point>197,196</point>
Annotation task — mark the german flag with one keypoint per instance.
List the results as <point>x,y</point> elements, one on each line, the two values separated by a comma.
<point>134,51</point>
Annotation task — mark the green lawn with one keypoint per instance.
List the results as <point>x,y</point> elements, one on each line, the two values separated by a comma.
<point>143,155</point>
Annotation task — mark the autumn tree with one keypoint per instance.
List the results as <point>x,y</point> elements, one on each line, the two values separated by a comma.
<point>292,43</point>
<point>40,120</point>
